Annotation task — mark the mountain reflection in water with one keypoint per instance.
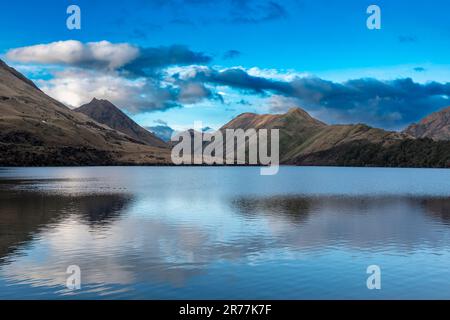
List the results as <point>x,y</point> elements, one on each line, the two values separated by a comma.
<point>151,233</point>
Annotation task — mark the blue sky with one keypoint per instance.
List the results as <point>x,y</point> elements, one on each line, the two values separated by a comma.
<point>289,53</point>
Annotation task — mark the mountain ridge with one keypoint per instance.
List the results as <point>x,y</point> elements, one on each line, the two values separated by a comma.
<point>301,134</point>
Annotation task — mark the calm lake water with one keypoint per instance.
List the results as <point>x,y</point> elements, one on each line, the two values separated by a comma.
<point>191,232</point>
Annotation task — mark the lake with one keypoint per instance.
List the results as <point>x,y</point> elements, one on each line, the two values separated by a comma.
<point>224,232</point>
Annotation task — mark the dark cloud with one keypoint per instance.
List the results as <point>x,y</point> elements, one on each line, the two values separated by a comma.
<point>181,92</point>
<point>240,79</point>
<point>158,98</point>
<point>231,54</point>
<point>153,59</point>
<point>388,104</point>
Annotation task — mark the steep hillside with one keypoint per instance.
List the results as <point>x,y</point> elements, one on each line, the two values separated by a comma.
<point>106,113</point>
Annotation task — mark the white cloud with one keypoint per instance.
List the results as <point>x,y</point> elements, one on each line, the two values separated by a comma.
<point>275,74</point>
<point>191,71</point>
<point>101,54</point>
<point>75,87</point>
<point>191,93</point>
<point>185,72</point>
<point>281,104</point>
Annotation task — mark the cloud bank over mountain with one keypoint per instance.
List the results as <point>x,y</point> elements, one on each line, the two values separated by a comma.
<point>160,78</point>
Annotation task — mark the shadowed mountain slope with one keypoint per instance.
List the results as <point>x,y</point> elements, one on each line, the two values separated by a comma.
<point>106,113</point>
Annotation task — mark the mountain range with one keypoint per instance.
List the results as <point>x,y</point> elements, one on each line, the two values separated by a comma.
<point>38,130</point>
<point>307,141</point>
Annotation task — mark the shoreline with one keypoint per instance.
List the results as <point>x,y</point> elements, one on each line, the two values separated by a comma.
<point>215,165</point>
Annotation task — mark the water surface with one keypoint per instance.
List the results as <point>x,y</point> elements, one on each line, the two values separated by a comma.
<point>191,232</point>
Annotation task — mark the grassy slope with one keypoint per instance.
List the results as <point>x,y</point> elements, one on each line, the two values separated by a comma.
<point>38,130</point>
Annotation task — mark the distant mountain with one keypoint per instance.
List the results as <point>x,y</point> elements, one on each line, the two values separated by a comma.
<point>307,141</point>
<point>163,132</point>
<point>207,129</point>
<point>108,114</point>
<point>436,126</point>
<point>38,130</point>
